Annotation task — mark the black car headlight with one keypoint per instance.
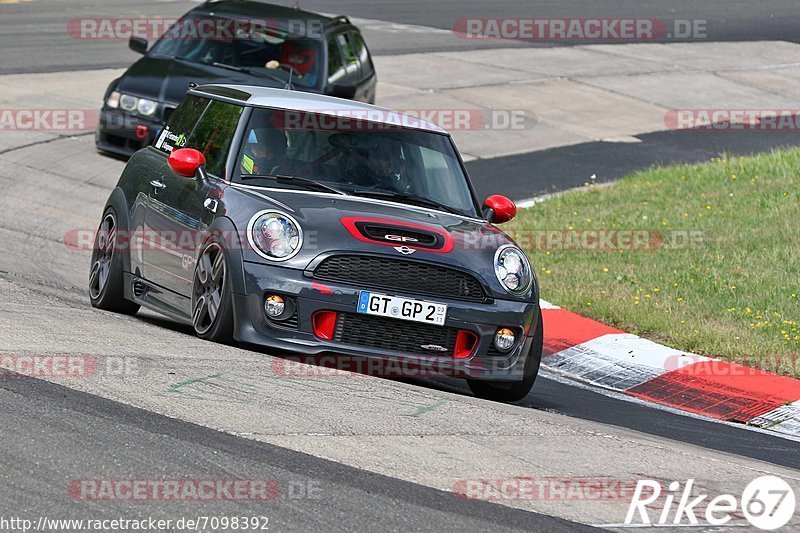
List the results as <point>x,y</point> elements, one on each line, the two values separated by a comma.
<point>512,269</point>
<point>274,235</point>
<point>146,107</point>
<point>130,104</point>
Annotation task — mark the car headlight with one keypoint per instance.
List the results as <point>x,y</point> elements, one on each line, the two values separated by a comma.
<point>274,235</point>
<point>128,102</point>
<point>113,100</point>
<point>512,269</point>
<point>131,103</point>
<point>146,107</point>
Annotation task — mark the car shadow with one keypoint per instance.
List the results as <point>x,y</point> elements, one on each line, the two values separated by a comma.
<point>164,322</point>
<point>112,155</point>
<point>443,384</point>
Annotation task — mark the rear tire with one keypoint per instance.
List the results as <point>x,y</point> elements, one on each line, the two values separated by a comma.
<point>106,280</point>
<point>513,391</point>
<point>212,298</point>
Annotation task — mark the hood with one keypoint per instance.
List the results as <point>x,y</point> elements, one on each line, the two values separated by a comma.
<point>167,80</point>
<point>346,224</point>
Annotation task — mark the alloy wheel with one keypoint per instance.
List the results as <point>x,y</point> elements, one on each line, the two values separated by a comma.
<point>208,287</point>
<point>102,256</point>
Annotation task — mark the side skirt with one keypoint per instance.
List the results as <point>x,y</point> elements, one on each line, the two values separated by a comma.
<point>158,299</point>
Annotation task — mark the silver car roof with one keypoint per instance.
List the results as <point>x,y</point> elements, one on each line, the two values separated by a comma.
<point>256,96</point>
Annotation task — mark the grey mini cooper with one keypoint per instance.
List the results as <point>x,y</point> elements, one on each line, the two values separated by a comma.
<point>321,227</point>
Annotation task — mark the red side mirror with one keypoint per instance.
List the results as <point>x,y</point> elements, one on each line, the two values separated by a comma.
<point>503,208</point>
<point>185,161</point>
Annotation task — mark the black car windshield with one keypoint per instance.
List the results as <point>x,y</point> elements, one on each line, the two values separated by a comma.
<point>248,46</point>
<point>353,156</point>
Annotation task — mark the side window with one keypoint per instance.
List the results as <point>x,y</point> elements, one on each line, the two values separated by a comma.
<point>360,50</point>
<point>336,69</point>
<point>180,124</point>
<point>214,133</point>
<point>350,57</point>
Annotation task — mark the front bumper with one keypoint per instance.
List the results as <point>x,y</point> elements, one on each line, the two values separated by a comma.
<point>124,134</point>
<point>482,319</point>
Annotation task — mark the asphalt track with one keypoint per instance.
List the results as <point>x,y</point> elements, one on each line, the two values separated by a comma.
<point>78,436</point>
<point>728,20</point>
<point>37,40</point>
<point>52,433</point>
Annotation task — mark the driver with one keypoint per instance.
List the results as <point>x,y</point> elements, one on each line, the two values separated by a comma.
<point>265,152</point>
<point>300,56</point>
<point>380,169</point>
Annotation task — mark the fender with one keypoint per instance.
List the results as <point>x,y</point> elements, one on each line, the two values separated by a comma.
<point>226,232</point>
<point>119,202</point>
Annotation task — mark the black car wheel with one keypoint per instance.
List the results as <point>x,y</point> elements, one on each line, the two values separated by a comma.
<point>105,275</point>
<point>212,308</point>
<point>512,391</point>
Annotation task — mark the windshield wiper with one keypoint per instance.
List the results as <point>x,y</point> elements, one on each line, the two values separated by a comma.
<point>286,179</point>
<point>247,71</point>
<point>408,198</point>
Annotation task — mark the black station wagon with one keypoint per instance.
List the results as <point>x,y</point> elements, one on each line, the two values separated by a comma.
<point>233,41</point>
<point>314,225</point>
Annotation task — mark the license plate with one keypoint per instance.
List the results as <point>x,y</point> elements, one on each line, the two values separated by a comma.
<point>372,303</point>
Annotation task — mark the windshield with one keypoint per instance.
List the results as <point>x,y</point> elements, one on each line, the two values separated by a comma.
<point>243,46</point>
<point>355,157</point>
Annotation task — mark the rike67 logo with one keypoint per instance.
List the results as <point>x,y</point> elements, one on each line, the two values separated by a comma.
<point>767,503</point>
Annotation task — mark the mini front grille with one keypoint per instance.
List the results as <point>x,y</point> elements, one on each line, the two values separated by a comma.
<point>398,274</point>
<point>392,334</point>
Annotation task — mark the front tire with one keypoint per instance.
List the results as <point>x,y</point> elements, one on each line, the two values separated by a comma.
<point>106,281</point>
<point>513,391</point>
<point>212,299</point>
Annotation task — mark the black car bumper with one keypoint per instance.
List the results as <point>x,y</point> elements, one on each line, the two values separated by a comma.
<point>123,134</point>
<point>393,347</point>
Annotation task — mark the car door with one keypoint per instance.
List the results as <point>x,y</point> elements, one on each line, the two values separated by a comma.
<point>175,214</point>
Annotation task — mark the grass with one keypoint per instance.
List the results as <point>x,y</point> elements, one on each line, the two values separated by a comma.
<point>732,292</point>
